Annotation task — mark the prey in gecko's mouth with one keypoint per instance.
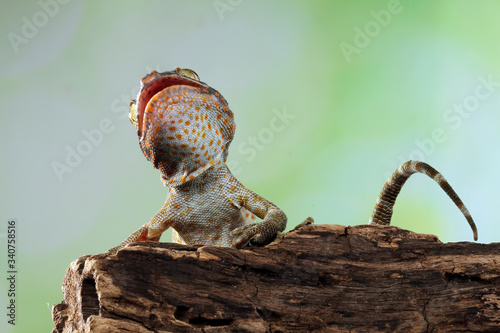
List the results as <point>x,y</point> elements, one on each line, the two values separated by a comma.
<point>155,82</point>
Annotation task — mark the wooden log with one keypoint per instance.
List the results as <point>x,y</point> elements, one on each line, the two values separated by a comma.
<point>320,278</point>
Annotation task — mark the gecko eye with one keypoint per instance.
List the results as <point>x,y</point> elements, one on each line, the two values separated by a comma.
<point>188,73</point>
<point>132,113</point>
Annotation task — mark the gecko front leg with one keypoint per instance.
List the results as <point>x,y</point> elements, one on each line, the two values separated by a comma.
<point>150,231</point>
<point>253,232</point>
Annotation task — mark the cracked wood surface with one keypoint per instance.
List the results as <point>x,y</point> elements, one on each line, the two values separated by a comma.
<point>323,278</point>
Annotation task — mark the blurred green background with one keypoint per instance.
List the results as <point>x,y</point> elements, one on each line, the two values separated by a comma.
<point>329,98</point>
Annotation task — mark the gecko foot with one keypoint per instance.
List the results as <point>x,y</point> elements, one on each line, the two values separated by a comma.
<point>307,221</point>
<point>259,233</point>
<point>140,235</point>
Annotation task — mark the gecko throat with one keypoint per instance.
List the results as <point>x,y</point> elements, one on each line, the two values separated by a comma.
<point>152,84</point>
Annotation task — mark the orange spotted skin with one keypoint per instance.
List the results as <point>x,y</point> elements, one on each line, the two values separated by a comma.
<point>382,212</point>
<point>185,128</point>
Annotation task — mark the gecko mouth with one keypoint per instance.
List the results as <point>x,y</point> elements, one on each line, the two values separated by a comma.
<point>155,82</point>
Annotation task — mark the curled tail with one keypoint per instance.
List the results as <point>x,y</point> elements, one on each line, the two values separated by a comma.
<point>382,212</point>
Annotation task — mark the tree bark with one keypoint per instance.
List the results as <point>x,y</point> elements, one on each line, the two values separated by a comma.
<point>320,278</point>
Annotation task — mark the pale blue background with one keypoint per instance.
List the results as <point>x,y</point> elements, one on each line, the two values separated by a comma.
<point>355,119</point>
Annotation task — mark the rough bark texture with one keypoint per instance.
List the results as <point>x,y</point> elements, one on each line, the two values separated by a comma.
<point>324,278</point>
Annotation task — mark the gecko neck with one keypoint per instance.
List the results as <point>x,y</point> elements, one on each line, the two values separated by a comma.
<point>207,179</point>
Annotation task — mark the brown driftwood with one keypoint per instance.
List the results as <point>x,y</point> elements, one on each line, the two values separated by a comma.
<point>323,278</point>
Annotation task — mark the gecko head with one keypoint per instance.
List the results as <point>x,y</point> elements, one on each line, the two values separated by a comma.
<point>184,126</point>
<point>155,82</point>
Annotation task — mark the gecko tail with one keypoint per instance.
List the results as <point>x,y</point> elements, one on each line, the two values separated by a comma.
<point>382,211</point>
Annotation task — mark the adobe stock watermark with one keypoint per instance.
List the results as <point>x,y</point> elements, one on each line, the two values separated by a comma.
<point>364,36</point>
<point>31,26</point>
<point>256,143</point>
<point>94,137</point>
<point>121,105</point>
<point>74,155</point>
<point>223,6</point>
<point>454,118</point>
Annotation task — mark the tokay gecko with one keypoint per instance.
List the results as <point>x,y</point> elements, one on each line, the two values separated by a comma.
<point>185,128</point>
